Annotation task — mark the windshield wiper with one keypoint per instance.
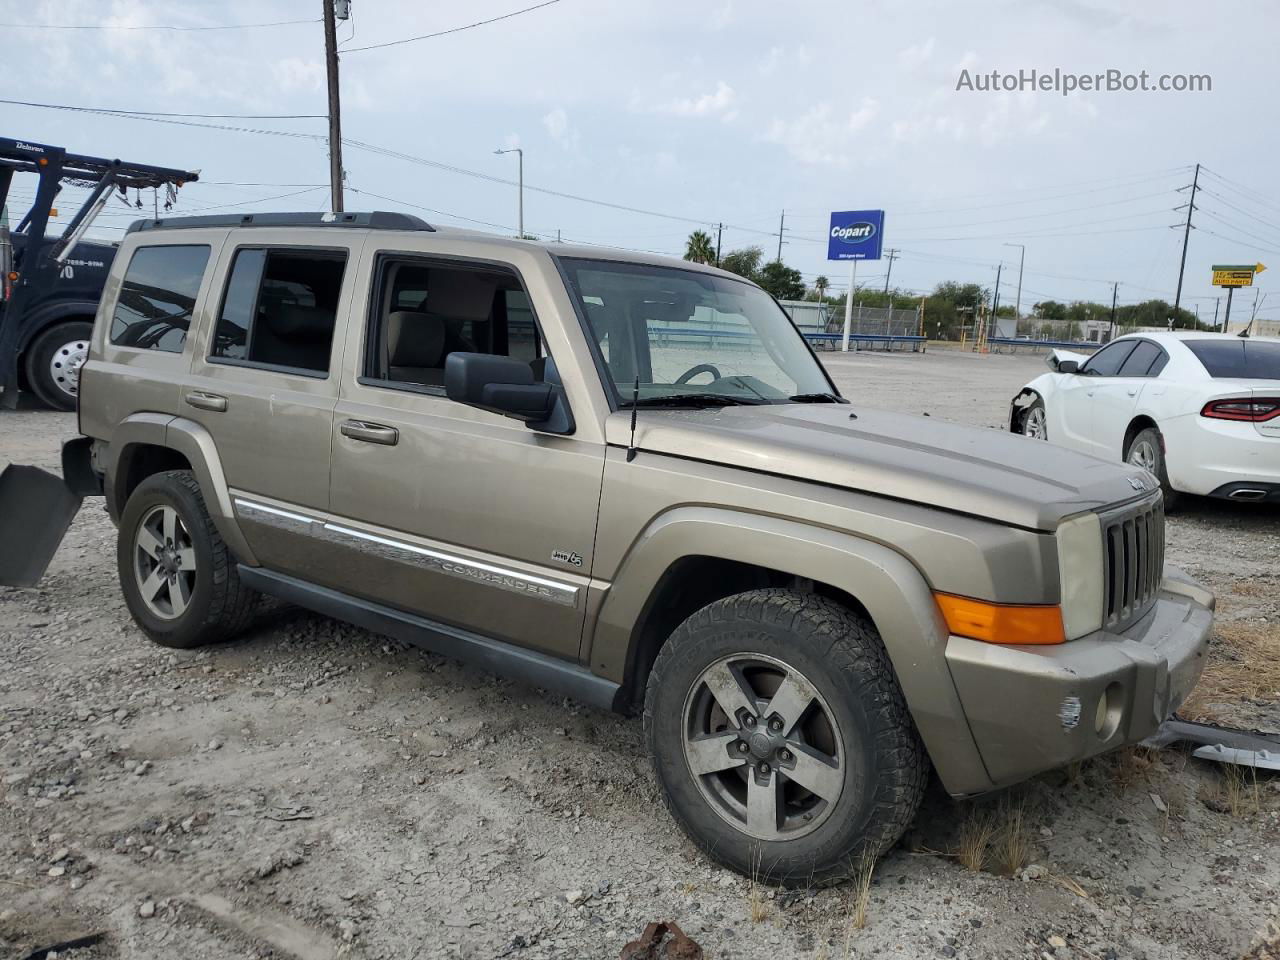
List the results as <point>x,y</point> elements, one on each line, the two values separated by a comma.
<point>696,400</point>
<point>817,398</point>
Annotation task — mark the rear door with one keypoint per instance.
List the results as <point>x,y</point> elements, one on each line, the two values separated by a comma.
<point>263,382</point>
<point>459,515</point>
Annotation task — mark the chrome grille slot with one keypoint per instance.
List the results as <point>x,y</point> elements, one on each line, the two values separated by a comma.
<point>1133,551</point>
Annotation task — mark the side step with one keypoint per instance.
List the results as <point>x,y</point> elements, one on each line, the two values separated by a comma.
<point>496,656</point>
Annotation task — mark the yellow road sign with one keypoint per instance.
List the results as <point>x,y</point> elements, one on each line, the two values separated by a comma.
<point>1236,275</point>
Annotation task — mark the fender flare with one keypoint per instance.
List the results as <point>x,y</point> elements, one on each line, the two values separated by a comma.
<point>894,592</point>
<point>196,444</point>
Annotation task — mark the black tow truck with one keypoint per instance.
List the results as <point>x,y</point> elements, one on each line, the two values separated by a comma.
<point>50,285</point>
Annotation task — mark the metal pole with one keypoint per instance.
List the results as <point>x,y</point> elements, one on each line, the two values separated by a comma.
<point>1226,317</point>
<point>520,177</point>
<point>781,226</point>
<point>335,108</point>
<point>1186,235</point>
<point>848,303</point>
<point>995,301</point>
<point>719,237</point>
<point>1115,288</point>
<point>1216,301</point>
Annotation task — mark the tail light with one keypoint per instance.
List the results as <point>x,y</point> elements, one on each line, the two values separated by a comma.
<point>1255,410</point>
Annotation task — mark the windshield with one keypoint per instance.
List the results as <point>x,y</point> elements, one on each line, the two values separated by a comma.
<point>692,336</point>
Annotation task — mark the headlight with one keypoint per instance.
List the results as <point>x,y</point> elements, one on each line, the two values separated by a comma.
<point>1080,572</point>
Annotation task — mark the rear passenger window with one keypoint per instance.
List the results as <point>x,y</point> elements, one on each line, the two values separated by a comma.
<point>157,297</point>
<point>424,310</point>
<point>279,309</point>
<point>1140,362</point>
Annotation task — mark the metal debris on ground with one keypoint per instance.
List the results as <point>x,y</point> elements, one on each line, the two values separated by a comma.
<point>1247,748</point>
<point>661,941</point>
<point>77,944</point>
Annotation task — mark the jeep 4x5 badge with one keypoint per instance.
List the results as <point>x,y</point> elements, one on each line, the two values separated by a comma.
<point>567,556</point>
<point>1137,483</point>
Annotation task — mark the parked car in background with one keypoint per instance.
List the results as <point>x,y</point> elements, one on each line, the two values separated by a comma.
<point>1199,411</point>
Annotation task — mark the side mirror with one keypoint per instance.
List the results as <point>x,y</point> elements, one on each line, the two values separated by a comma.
<point>505,385</point>
<point>1068,366</point>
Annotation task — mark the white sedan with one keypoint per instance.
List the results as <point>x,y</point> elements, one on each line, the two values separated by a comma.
<point>1200,411</point>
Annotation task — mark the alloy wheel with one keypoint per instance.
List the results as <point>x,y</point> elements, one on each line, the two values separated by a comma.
<point>164,562</point>
<point>1034,426</point>
<point>762,746</point>
<point>1144,455</point>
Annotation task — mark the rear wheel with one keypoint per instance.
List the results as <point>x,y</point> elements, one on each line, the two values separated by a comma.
<point>1146,450</point>
<point>178,578</point>
<point>781,739</point>
<point>53,363</point>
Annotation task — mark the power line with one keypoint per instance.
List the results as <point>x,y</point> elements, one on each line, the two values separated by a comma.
<point>112,26</point>
<point>441,33</point>
<point>151,114</point>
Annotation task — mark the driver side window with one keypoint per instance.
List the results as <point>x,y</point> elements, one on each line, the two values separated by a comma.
<point>1107,361</point>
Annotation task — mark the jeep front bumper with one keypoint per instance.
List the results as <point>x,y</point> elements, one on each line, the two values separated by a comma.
<point>1035,708</point>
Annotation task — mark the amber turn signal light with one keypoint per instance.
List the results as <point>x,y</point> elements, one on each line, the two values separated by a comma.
<point>1001,622</point>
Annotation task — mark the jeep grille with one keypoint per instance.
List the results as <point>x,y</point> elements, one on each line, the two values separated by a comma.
<point>1133,553</point>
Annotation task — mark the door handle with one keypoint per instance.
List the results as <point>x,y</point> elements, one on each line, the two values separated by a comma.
<point>206,401</point>
<point>370,432</point>
<point>1132,393</point>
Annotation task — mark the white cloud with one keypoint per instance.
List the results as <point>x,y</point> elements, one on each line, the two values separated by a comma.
<point>917,54</point>
<point>295,73</point>
<point>708,104</point>
<point>558,128</point>
<point>820,135</point>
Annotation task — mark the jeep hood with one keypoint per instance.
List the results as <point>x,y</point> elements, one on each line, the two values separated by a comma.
<point>986,473</point>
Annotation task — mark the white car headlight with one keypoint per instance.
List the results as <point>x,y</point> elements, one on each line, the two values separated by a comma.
<point>1080,571</point>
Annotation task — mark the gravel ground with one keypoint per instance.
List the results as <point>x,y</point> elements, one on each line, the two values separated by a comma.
<point>313,790</point>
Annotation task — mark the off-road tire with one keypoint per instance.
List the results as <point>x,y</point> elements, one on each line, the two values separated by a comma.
<point>840,652</point>
<point>220,606</point>
<point>40,356</point>
<point>1151,436</point>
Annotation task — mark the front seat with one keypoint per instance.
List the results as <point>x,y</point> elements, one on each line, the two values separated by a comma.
<point>415,347</point>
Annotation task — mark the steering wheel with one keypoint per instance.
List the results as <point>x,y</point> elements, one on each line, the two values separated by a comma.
<point>694,371</point>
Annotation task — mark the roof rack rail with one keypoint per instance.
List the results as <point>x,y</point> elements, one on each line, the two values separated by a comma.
<point>374,220</point>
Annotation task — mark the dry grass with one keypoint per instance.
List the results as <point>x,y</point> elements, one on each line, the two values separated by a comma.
<point>859,901</point>
<point>976,834</point>
<point>1244,664</point>
<point>1130,765</point>
<point>1240,790</point>
<point>1013,843</point>
<point>758,907</point>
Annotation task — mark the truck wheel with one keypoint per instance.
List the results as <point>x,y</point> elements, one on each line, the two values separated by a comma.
<point>53,363</point>
<point>1034,421</point>
<point>1146,450</point>
<point>178,577</point>
<point>781,739</point>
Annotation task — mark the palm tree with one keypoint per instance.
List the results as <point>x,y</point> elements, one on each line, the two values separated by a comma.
<point>821,285</point>
<point>700,249</point>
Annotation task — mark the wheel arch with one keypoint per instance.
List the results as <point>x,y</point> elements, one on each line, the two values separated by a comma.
<point>51,315</point>
<point>692,556</point>
<point>1019,404</point>
<point>1139,423</point>
<point>147,443</point>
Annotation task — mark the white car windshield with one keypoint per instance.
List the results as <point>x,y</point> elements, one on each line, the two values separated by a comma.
<point>692,338</point>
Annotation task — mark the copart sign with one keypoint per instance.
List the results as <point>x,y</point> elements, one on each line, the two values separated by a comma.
<point>856,235</point>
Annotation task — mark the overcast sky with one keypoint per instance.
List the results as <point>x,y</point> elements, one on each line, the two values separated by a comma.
<point>715,110</point>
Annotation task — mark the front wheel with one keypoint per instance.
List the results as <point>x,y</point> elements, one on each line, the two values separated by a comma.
<point>1146,450</point>
<point>1035,421</point>
<point>781,739</point>
<point>53,363</point>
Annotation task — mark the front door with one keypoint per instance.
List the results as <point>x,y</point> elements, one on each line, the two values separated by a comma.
<point>456,514</point>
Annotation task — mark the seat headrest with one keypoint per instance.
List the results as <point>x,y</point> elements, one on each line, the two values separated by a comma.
<point>414,339</point>
<point>299,324</point>
<point>460,295</point>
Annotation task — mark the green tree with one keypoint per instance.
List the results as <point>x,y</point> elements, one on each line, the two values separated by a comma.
<point>699,248</point>
<point>820,285</point>
<point>782,281</point>
<point>744,262</point>
<point>1050,310</point>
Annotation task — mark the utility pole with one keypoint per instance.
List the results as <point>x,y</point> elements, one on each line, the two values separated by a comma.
<point>719,237</point>
<point>519,152</point>
<point>1186,236</point>
<point>1022,259</point>
<point>1226,317</point>
<point>335,107</point>
<point>1216,300</point>
<point>891,255</point>
<point>995,300</point>
<point>1115,289</point>
<point>781,226</point>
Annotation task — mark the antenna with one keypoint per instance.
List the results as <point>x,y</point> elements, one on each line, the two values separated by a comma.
<point>635,404</point>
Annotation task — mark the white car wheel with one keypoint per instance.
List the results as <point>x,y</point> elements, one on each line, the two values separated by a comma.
<point>1034,422</point>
